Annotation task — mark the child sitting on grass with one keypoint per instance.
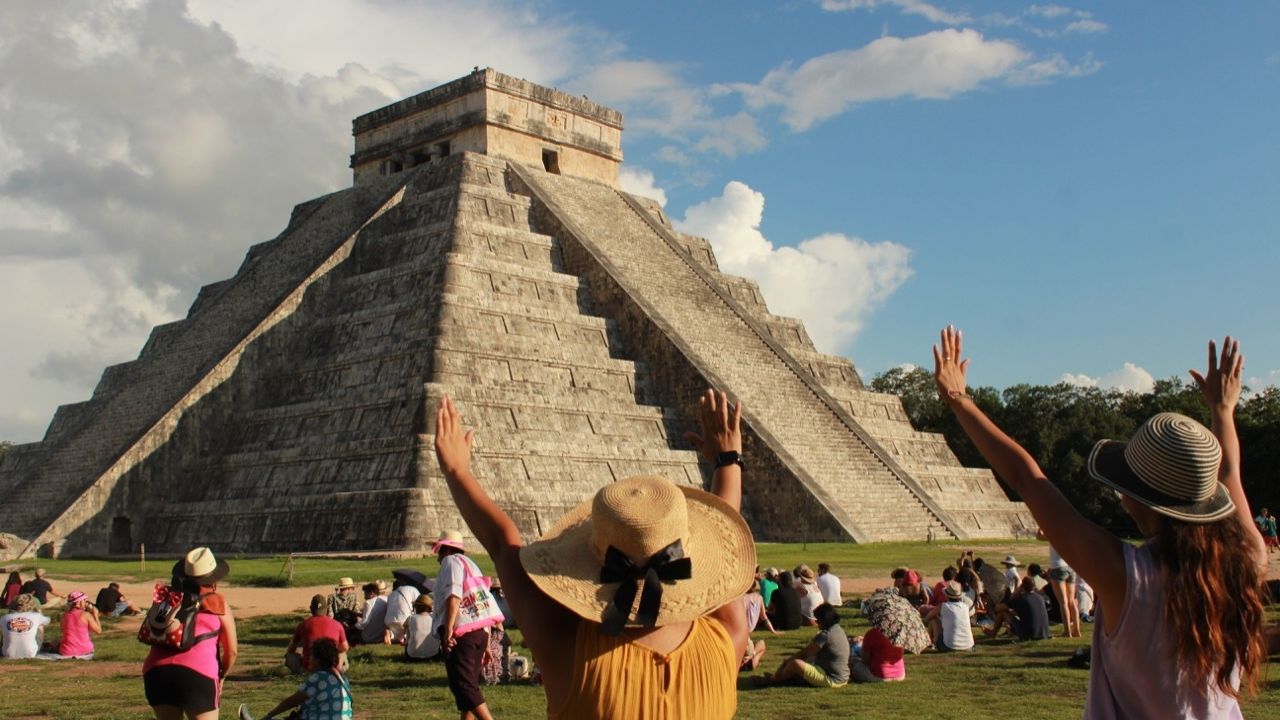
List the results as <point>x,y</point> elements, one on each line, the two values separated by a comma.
<point>325,695</point>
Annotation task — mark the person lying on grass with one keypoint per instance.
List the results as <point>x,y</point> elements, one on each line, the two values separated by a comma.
<point>324,695</point>
<point>1180,618</point>
<point>824,662</point>
<point>684,554</point>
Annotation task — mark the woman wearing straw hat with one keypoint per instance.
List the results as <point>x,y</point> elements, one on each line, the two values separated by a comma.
<point>630,603</point>
<point>189,682</point>
<point>1180,619</point>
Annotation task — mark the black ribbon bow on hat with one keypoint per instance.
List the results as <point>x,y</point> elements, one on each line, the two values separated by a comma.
<point>666,566</point>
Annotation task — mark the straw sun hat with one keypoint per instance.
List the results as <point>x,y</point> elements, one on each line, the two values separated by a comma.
<point>1170,465</point>
<point>201,567</point>
<point>682,551</point>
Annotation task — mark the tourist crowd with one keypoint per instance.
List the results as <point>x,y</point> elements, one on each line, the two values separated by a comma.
<point>650,570</point>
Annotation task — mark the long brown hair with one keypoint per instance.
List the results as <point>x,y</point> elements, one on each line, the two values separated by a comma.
<point>1215,602</point>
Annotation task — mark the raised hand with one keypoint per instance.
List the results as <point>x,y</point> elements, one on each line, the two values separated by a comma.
<point>948,369</point>
<point>721,430</point>
<point>1220,384</point>
<point>453,442</point>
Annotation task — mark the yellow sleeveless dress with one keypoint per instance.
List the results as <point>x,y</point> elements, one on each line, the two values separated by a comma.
<point>618,680</point>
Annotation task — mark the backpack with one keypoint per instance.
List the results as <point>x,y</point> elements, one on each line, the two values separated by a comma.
<point>171,620</point>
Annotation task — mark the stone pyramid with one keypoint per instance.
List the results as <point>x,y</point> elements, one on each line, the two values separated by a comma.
<point>486,252</point>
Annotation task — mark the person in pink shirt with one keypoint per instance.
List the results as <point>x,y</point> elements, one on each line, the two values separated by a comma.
<point>189,682</point>
<point>881,660</point>
<point>80,619</point>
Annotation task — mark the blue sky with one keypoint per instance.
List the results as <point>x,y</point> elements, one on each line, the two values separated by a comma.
<point>1087,189</point>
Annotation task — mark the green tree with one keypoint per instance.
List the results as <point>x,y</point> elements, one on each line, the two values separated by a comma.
<point>4,449</point>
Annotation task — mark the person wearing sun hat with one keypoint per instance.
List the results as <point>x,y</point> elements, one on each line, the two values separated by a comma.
<point>190,681</point>
<point>342,598</point>
<point>643,569</point>
<point>467,614</point>
<point>22,629</point>
<point>1181,617</point>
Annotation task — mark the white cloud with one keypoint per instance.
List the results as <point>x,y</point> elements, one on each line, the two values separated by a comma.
<point>936,65</point>
<point>1258,383</point>
<point>638,181</point>
<point>926,10</point>
<point>832,282</point>
<point>1047,68</point>
<point>658,101</point>
<point>415,44</point>
<point>1087,25</point>
<point>1049,11</point>
<point>1129,378</point>
<point>144,148</point>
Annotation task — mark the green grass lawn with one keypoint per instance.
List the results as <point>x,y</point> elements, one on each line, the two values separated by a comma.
<point>847,560</point>
<point>1022,680</point>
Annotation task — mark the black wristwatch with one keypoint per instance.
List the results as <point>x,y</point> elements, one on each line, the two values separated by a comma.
<point>731,457</point>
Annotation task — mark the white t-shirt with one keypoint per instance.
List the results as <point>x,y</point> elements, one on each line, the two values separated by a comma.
<point>374,621</point>
<point>400,609</point>
<point>830,586</point>
<point>1056,562</point>
<point>956,632</point>
<point>23,633</point>
<point>1012,578</point>
<point>419,641</point>
<point>449,584</point>
<point>811,599</point>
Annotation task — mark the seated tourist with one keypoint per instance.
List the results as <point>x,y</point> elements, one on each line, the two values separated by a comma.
<point>372,623</point>
<point>399,608</point>
<point>22,629</point>
<point>810,595</point>
<point>753,604</point>
<point>112,603</point>
<point>824,662</point>
<point>768,583</point>
<point>39,587</point>
<point>1084,599</point>
<point>419,642</point>
<point>78,622</point>
<point>948,574</point>
<point>909,586</point>
<point>829,584</point>
<point>12,589</point>
<point>949,625</point>
<point>344,604</point>
<point>324,695</point>
<point>784,611</point>
<point>880,659</point>
<point>1026,614</point>
<point>297,656</point>
<point>574,591</point>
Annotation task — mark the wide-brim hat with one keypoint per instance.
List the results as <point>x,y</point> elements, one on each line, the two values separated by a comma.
<point>201,567</point>
<point>645,521</point>
<point>1010,560</point>
<point>75,596</point>
<point>346,582</point>
<point>1170,465</point>
<point>448,538</point>
<point>953,591</point>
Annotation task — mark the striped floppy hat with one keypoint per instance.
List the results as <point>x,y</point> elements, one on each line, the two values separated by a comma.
<point>1170,465</point>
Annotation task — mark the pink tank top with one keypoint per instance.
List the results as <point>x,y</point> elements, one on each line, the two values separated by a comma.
<point>1134,671</point>
<point>75,635</point>
<point>203,658</point>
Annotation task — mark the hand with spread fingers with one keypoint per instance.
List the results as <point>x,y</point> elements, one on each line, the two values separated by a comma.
<point>453,442</point>
<point>721,426</point>
<point>948,369</point>
<point>1220,384</point>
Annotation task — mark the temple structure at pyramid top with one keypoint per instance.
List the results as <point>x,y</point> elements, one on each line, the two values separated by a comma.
<point>490,113</point>
<point>484,251</point>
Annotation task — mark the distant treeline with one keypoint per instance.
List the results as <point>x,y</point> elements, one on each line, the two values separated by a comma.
<point>1059,424</point>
